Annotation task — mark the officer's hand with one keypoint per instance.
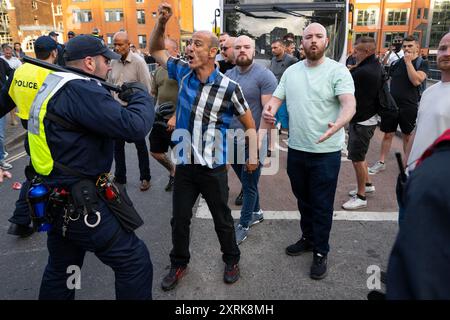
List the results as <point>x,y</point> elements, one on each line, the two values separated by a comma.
<point>128,89</point>
<point>165,12</point>
<point>171,123</point>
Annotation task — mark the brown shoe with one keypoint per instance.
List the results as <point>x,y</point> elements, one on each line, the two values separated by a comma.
<point>145,185</point>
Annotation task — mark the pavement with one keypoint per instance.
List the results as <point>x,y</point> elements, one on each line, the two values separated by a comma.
<point>359,240</point>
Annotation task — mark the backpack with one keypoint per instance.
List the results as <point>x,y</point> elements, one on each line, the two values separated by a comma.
<point>386,103</point>
<point>423,86</point>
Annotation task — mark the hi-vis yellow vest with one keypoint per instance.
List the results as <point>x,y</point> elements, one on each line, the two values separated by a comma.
<point>26,82</point>
<point>41,157</point>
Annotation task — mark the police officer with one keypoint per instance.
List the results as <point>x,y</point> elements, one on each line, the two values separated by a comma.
<point>20,90</point>
<point>80,145</point>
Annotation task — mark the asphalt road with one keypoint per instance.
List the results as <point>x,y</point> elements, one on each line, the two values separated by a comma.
<point>358,241</point>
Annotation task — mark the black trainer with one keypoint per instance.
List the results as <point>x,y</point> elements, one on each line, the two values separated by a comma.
<point>170,281</point>
<point>319,267</point>
<point>239,198</point>
<point>20,230</point>
<point>169,186</point>
<point>301,246</point>
<point>231,273</point>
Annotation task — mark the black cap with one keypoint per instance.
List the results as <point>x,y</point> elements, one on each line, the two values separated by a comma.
<point>71,33</point>
<point>45,44</point>
<point>83,46</point>
<point>53,34</point>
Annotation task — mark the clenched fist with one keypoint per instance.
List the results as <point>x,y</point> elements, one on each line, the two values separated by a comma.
<point>164,12</point>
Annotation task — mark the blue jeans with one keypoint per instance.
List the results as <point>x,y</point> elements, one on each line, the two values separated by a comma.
<point>313,179</point>
<point>123,251</point>
<point>282,116</point>
<point>2,137</point>
<point>249,181</point>
<point>121,166</point>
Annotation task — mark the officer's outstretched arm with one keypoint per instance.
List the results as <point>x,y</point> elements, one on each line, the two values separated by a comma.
<point>157,47</point>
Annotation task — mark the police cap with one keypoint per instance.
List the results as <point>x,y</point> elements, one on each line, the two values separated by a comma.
<point>45,44</point>
<point>83,46</point>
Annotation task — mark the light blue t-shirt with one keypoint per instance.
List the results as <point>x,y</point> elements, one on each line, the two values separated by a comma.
<point>311,95</point>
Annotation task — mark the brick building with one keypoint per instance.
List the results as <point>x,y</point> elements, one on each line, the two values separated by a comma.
<point>137,17</point>
<point>384,19</point>
<point>25,20</point>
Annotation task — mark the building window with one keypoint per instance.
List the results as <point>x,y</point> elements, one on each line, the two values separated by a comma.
<point>30,45</point>
<point>366,34</point>
<point>81,16</point>
<point>34,5</point>
<point>366,17</point>
<point>389,36</point>
<point>142,39</point>
<point>419,13</point>
<point>59,9</point>
<point>139,1</point>
<point>397,17</point>
<point>113,15</point>
<point>425,13</point>
<point>109,40</point>
<point>140,16</point>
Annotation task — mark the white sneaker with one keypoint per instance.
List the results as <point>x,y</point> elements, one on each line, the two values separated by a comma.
<point>354,203</point>
<point>377,167</point>
<point>369,189</point>
<point>5,165</point>
<point>5,155</point>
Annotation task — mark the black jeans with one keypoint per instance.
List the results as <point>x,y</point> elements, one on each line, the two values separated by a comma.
<point>313,179</point>
<point>121,166</point>
<point>190,181</point>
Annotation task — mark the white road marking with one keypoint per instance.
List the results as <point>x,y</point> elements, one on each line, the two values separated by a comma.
<point>17,156</point>
<point>203,213</point>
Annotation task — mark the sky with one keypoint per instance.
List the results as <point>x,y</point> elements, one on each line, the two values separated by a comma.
<point>204,14</point>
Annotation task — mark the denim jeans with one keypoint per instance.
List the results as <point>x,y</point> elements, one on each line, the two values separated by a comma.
<point>249,181</point>
<point>282,116</point>
<point>2,137</point>
<point>190,181</point>
<point>313,179</point>
<point>121,166</point>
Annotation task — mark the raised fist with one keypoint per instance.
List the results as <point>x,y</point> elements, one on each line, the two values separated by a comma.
<point>164,12</point>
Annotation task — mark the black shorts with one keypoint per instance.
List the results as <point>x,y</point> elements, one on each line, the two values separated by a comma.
<point>160,139</point>
<point>405,117</point>
<point>358,141</point>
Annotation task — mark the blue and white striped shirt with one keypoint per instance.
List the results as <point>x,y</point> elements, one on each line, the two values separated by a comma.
<point>205,111</point>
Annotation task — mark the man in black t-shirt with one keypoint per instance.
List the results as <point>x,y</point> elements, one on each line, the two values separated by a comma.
<point>407,75</point>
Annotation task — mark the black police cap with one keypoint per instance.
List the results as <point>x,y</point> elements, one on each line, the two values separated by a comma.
<point>83,46</point>
<point>45,44</point>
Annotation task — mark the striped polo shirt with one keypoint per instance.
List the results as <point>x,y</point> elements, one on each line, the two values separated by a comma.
<point>204,111</point>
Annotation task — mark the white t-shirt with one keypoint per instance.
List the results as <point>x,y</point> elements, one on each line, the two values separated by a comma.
<point>394,57</point>
<point>433,119</point>
<point>14,63</point>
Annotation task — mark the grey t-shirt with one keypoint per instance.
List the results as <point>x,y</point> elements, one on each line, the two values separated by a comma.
<point>255,82</point>
<point>279,66</point>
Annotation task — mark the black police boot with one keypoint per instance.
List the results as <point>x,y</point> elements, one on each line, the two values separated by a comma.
<point>170,281</point>
<point>239,198</point>
<point>231,273</point>
<point>319,266</point>
<point>20,230</point>
<point>301,246</point>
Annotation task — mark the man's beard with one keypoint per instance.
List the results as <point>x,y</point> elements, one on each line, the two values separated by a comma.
<point>314,55</point>
<point>243,61</point>
<point>442,66</point>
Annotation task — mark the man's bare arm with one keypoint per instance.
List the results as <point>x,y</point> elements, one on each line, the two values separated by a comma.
<point>250,130</point>
<point>156,46</point>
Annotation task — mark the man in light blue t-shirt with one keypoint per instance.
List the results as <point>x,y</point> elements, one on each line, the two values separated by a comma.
<point>319,94</point>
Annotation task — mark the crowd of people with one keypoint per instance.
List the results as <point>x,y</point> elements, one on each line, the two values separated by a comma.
<point>193,101</point>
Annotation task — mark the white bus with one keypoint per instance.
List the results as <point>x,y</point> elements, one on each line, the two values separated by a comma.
<point>269,20</point>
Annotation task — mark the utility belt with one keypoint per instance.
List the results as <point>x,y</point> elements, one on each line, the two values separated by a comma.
<point>82,200</point>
